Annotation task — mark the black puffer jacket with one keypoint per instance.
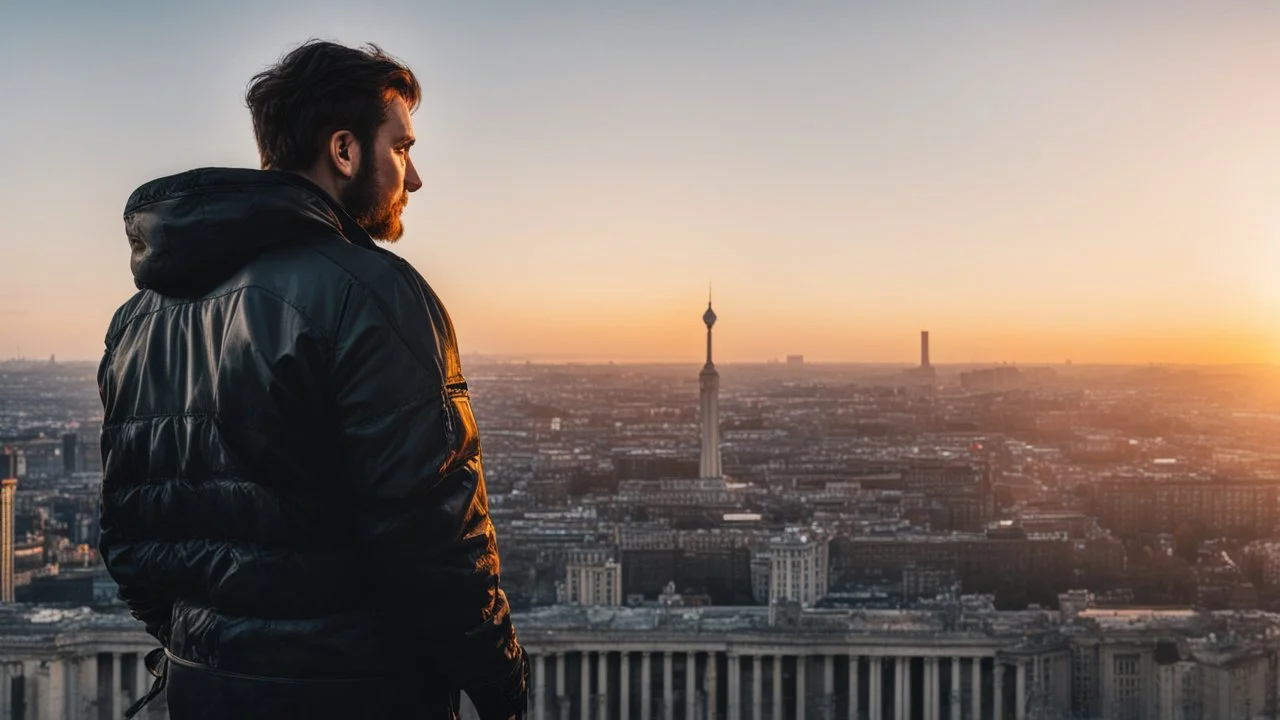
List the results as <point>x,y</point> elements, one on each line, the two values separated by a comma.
<point>292,499</point>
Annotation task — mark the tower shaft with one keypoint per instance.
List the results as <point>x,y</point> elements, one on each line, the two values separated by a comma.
<point>709,384</point>
<point>709,380</point>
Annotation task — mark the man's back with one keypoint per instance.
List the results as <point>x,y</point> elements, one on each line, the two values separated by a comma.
<point>292,497</point>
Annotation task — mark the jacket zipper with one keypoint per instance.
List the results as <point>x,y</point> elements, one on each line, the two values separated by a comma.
<point>451,389</point>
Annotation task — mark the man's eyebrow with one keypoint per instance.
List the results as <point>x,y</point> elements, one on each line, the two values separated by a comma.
<point>406,141</point>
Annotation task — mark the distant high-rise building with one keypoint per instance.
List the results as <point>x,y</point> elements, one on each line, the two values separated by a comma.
<point>795,359</point>
<point>798,569</point>
<point>592,577</point>
<point>594,584</point>
<point>8,485</point>
<point>709,379</point>
<point>72,457</point>
<point>924,348</point>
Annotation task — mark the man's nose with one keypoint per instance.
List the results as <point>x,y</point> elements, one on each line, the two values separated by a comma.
<point>411,180</point>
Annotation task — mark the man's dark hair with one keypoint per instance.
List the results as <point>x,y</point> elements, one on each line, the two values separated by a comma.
<point>319,89</point>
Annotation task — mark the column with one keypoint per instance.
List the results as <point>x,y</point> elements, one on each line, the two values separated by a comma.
<point>801,686</point>
<point>955,688</point>
<point>646,685</point>
<point>853,688</point>
<point>141,676</point>
<point>711,682</point>
<point>829,687</point>
<point>929,692</point>
<point>562,702</point>
<point>929,679</point>
<point>668,698</point>
<point>584,689</point>
<point>934,688</point>
<point>602,685</point>
<point>49,687</point>
<point>875,683</point>
<point>117,687</point>
<point>757,687</point>
<point>975,672</point>
<point>690,685</point>
<point>735,686</point>
<point>86,686</point>
<point>624,679</point>
<point>900,688</point>
<point>936,684</point>
<point>1020,712</point>
<point>998,688</point>
<point>777,687</point>
<point>539,686</point>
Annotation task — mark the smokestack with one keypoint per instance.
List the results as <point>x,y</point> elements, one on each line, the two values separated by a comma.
<point>924,348</point>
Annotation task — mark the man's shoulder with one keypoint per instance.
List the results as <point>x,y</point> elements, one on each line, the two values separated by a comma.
<point>314,275</point>
<point>339,260</point>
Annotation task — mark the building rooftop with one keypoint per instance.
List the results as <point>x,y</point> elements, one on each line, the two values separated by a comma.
<point>754,619</point>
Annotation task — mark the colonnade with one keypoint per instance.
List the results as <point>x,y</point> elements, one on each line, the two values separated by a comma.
<point>762,684</point>
<point>97,685</point>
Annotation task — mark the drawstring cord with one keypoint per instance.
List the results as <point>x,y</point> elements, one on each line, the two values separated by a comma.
<point>157,665</point>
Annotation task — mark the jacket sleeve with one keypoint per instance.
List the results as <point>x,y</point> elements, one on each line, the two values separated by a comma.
<point>146,601</point>
<point>417,491</point>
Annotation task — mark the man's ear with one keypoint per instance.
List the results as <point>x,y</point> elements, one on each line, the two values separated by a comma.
<point>344,153</point>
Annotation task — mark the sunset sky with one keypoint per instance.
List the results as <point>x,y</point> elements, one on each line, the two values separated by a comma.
<point>1030,181</point>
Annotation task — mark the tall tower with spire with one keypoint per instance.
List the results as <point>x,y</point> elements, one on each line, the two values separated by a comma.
<point>709,380</point>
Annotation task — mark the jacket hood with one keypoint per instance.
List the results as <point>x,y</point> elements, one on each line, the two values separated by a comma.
<point>189,232</point>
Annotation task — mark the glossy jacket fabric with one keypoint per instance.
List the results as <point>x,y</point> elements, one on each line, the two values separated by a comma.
<point>292,499</point>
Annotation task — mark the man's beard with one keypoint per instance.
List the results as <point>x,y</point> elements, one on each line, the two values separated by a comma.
<point>374,209</point>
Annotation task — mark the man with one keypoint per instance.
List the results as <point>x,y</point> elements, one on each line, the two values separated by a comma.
<point>292,499</point>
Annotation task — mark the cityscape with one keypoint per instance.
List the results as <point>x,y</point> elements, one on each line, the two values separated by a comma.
<point>782,540</point>
<point>829,361</point>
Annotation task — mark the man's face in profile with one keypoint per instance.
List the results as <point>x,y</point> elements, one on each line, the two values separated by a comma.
<point>380,189</point>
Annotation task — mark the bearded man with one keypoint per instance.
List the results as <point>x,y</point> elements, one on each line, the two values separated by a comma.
<point>292,498</point>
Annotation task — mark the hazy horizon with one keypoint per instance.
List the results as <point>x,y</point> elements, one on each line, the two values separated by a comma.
<point>780,362</point>
<point>1031,184</point>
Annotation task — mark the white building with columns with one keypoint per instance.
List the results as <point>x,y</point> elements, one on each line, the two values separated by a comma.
<point>73,664</point>
<point>956,661</point>
<point>731,664</point>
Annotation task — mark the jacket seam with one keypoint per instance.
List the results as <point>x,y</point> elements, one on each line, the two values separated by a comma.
<point>392,322</point>
<point>156,416</point>
<point>337,323</point>
<point>197,190</point>
<point>219,296</point>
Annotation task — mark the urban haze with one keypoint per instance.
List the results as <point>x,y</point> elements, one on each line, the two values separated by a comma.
<point>785,540</point>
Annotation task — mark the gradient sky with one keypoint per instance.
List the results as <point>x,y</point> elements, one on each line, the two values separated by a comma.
<point>1031,182</point>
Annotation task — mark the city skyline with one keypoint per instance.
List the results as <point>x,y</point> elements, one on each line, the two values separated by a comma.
<point>999,542</point>
<point>1030,184</point>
